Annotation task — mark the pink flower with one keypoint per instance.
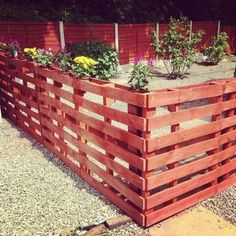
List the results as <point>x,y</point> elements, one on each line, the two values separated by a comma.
<point>138,57</point>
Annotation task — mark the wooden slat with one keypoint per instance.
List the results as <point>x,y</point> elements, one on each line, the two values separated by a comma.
<point>188,134</point>
<point>156,99</point>
<point>184,187</point>
<point>190,114</point>
<point>172,209</point>
<point>112,148</point>
<point>106,128</point>
<point>188,151</point>
<point>133,178</point>
<point>187,169</point>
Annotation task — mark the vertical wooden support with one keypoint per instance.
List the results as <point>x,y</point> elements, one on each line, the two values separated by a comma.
<point>78,92</point>
<point>108,102</point>
<point>147,113</point>
<point>228,113</point>
<point>217,134</point>
<point>174,128</point>
<point>39,90</point>
<point>62,34</point>
<point>134,110</point>
<point>60,113</point>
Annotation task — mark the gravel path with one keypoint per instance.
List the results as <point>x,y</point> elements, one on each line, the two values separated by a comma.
<point>223,204</point>
<point>40,196</point>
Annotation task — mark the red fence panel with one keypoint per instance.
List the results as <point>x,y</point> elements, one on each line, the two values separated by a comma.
<point>32,34</point>
<point>134,38</point>
<point>209,28</point>
<point>231,31</point>
<point>79,33</point>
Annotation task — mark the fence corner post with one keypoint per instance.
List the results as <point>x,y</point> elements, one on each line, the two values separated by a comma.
<point>62,34</point>
<point>218,28</point>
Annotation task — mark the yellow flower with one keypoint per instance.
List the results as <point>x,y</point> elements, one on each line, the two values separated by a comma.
<point>30,50</point>
<point>86,62</point>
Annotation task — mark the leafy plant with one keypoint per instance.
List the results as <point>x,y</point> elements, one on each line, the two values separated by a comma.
<point>44,58</point>
<point>216,51</point>
<point>176,48</point>
<point>2,47</point>
<point>12,48</point>
<point>141,74</point>
<point>30,53</point>
<point>83,66</point>
<point>106,57</point>
<point>63,59</point>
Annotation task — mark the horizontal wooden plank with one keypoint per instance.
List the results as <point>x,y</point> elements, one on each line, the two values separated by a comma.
<point>56,91</point>
<point>117,185</point>
<point>189,114</point>
<point>83,147</point>
<point>112,181</point>
<point>105,127</point>
<point>187,169</point>
<point>115,150</point>
<point>156,99</point>
<point>108,90</point>
<point>121,203</point>
<point>186,186</point>
<point>188,151</point>
<point>185,203</point>
<point>188,134</point>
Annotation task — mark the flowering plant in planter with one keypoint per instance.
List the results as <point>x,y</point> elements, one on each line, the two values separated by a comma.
<point>12,48</point>
<point>30,53</point>
<point>141,74</point>
<point>44,58</point>
<point>63,60</point>
<point>83,66</point>
<point>2,47</point>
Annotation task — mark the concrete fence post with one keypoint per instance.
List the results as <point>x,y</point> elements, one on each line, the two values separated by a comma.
<point>62,34</point>
<point>218,28</point>
<point>116,36</point>
<point>190,30</point>
<point>158,30</point>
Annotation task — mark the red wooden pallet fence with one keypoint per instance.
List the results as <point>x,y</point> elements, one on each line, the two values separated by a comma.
<point>149,163</point>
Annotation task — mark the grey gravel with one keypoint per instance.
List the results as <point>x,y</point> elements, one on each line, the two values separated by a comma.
<point>41,196</point>
<point>223,204</point>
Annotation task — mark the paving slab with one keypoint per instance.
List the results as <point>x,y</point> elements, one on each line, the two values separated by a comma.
<point>194,222</point>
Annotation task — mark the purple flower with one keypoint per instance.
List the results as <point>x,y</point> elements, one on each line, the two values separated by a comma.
<point>138,57</point>
<point>150,62</point>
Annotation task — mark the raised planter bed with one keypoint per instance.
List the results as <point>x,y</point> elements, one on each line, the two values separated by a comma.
<point>149,177</point>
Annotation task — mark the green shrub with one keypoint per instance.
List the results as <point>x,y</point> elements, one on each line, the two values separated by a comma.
<point>216,51</point>
<point>141,74</point>
<point>105,56</point>
<point>176,48</point>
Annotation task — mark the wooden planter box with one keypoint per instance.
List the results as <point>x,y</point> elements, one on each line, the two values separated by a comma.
<point>150,177</point>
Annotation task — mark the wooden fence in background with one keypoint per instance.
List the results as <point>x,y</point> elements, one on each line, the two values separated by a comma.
<point>129,39</point>
<point>149,163</point>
